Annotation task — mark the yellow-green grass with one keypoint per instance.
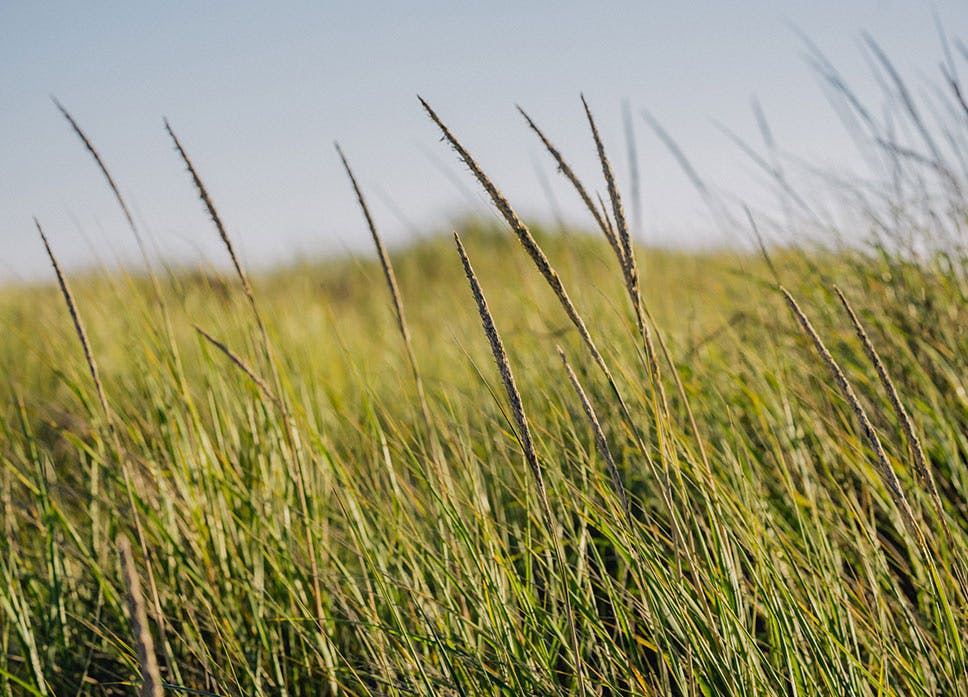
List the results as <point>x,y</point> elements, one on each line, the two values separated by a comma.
<point>764,555</point>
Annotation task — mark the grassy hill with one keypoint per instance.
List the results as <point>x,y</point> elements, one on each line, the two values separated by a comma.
<point>715,515</point>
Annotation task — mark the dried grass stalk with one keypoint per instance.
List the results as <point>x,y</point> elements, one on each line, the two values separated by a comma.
<point>151,683</point>
<point>921,465</point>
<point>78,325</point>
<point>504,368</point>
<point>216,218</point>
<point>107,175</point>
<point>391,280</point>
<point>629,265</point>
<point>240,364</point>
<point>920,461</point>
<point>601,220</point>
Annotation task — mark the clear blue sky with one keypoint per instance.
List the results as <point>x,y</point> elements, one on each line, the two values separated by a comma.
<point>258,92</point>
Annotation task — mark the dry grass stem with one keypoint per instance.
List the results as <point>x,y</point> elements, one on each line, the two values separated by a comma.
<point>503,366</point>
<point>907,426</point>
<point>78,325</point>
<point>213,213</point>
<point>107,175</point>
<point>629,265</point>
<point>602,221</point>
<point>920,461</point>
<point>240,364</point>
<point>391,280</point>
<point>151,683</point>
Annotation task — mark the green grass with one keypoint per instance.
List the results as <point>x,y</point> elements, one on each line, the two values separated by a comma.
<point>780,564</point>
<point>739,482</point>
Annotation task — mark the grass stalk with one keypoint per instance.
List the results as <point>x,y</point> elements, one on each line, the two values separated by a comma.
<point>600,220</point>
<point>527,444</point>
<point>240,363</point>
<point>151,682</point>
<point>630,266</point>
<point>110,180</point>
<point>78,325</point>
<point>391,280</point>
<point>600,441</point>
<point>921,465</point>
<point>540,260</point>
<point>884,467</point>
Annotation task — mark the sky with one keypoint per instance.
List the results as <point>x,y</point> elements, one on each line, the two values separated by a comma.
<point>258,92</point>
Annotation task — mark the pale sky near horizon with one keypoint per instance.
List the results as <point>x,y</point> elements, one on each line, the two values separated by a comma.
<point>259,91</point>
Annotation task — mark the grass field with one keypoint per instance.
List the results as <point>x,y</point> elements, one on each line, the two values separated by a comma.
<point>736,482</point>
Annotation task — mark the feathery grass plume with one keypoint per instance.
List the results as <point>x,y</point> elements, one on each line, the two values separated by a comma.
<point>524,430</point>
<point>391,280</point>
<point>239,271</point>
<point>630,266</point>
<point>213,213</point>
<point>78,324</point>
<point>886,471</point>
<point>151,683</point>
<point>503,366</point>
<point>618,213</point>
<point>107,175</point>
<point>538,257</point>
<point>569,173</point>
<point>599,437</point>
<point>907,425</point>
<point>240,364</point>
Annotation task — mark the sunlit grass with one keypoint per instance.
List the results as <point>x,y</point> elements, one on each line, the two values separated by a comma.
<point>784,566</point>
<point>748,475</point>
